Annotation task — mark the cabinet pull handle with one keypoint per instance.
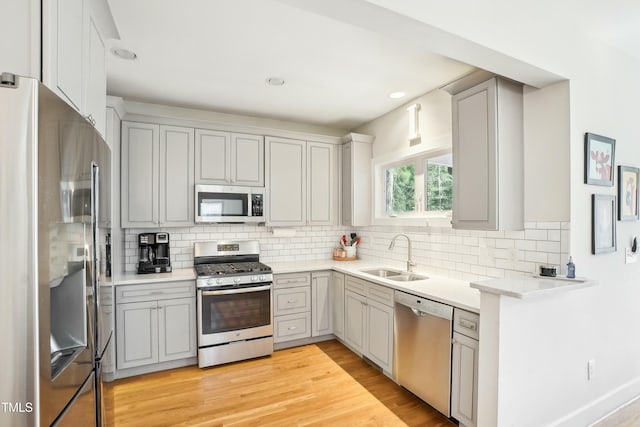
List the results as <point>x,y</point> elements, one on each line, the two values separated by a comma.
<point>291,328</point>
<point>467,324</point>
<point>292,302</point>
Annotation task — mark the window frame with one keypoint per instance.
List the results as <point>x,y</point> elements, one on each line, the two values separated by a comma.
<point>420,217</point>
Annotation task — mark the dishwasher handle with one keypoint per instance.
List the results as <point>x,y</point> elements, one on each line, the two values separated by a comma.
<point>422,307</point>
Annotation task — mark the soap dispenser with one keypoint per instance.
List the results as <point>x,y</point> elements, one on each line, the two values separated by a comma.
<point>571,269</point>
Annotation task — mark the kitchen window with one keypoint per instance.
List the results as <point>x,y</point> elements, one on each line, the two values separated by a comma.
<point>415,188</point>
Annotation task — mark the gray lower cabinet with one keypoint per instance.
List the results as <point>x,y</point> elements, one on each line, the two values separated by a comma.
<point>464,369</point>
<point>337,303</point>
<point>321,313</point>
<point>291,307</point>
<point>155,323</point>
<point>368,317</point>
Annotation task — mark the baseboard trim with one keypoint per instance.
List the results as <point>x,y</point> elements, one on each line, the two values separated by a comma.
<point>147,369</point>
<point>600,408</point>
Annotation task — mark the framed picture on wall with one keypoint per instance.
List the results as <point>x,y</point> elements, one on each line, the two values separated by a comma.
<point>599,158</point>
<point>628,193</point>
<point>603,223</point>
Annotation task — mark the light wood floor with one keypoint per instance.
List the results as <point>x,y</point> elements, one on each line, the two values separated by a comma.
<point>323,384</point>
<point>627,416</point>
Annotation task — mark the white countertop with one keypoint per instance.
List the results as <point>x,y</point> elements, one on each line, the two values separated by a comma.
<point>457,293</point>
<point>532,286</point>
<point>133,278</point>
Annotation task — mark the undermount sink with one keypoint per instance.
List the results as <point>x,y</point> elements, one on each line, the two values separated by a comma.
<point>383,272</point>
<point>410,277</point>
<point>398,276</point>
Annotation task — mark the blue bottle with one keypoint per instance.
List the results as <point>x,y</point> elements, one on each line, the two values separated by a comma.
<point>571,269</point>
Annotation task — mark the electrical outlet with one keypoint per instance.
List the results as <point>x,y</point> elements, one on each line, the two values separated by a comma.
<point>630,257</point>
<point>591,369</point>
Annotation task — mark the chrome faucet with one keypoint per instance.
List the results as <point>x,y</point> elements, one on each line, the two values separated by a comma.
<point>410,263</point>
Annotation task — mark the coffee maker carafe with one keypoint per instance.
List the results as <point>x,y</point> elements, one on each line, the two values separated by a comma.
<point>153,253</point>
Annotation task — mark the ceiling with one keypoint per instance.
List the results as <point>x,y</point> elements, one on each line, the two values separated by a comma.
<point>216,55</point>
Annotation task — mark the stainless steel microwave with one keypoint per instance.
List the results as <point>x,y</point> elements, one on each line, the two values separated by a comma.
<point>234,204</point>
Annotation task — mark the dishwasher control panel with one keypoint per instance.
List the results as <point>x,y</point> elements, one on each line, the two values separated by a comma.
<point>424,305</point>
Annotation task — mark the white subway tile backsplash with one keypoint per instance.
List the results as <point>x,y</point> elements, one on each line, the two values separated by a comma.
<point>553,247</point>
<point>460,254</point>
<point>554,235</point>
<point>535,234</point>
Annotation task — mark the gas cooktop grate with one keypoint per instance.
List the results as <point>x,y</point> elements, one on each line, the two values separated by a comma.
<point>232,268</point>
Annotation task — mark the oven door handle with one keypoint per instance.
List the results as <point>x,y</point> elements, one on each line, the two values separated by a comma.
<point>236,291</point>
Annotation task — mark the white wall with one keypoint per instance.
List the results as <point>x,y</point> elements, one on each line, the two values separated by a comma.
<point>594,323</point>
<point>546,153</point>
<point>392,129</point>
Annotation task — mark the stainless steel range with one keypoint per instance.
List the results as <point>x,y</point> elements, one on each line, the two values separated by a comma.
<point>235,321</point>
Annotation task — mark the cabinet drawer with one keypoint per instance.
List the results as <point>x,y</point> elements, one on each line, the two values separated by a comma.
<point>291,300</point>
<point>380,293</point>
<point>292,327</point>
<point>466,323</point>
<point>291,280</point>
<point>155,291</point>
<point>356,285</point>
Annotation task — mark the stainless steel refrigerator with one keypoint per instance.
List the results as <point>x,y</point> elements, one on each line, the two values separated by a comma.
<point>54,221</point>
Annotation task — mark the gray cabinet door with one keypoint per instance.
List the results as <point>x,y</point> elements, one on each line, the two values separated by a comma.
<point>379,341</point>
<point>137,334</point>
<point>247,160</point>
<point>286,181</point>
<point>176,329</point>
<point>321,313</point>
<point>337,297</point>
<point>212,157</point>
<point>140,171</point>
<point>464,380</point>
<point>354,319</point>
<point>66,68</point>
<point>321,183</point>
<point>347,182</point>
<point>176,176</point>
<point>474,154</point>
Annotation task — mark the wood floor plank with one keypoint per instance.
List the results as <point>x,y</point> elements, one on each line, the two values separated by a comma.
<point>322,384</point>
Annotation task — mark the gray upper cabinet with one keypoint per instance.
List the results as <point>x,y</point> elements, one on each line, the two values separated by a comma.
<point>157,175</point>
<point>322,188</point>
<point>73,57</point>
<point>177,188</point>
<point>356,180</point>
<point>301,182</point>
<point>229,158</point>
<point>247,160</point>
<point>488,157</point>
<point>286,181</point>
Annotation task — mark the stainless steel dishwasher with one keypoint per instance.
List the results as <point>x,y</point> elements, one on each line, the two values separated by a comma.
<point>423,349</point>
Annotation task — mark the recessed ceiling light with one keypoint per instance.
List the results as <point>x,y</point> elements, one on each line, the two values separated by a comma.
<point>275,81</point>
<point>123,53</point>
<point>396,95</point>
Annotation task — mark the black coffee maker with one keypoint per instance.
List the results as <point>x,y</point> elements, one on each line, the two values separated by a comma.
<point>153,253</point>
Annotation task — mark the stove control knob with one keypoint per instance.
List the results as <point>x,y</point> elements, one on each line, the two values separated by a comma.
<point>210,282</point>
<point>236,280</point>
<point>254,278</point>
<point>219,281</point>
<point>262,278</point>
